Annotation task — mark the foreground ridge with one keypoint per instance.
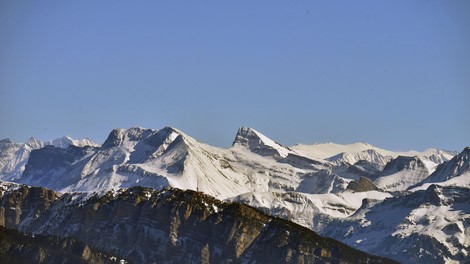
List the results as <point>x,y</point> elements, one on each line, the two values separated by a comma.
<point>171,226</point>
<point>17,247</point>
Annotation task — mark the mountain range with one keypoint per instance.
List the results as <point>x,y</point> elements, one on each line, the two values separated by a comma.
<point>408,206</point>
<point>168,226</point>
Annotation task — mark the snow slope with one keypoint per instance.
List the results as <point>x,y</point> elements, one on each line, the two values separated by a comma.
<point>455,172</point>
<point>458,165</point>
<point>13,157</point>
<point>403,172</point>
<point>369,155</point>
<point>315,211</point>
<point>427,226</point>
<point>329,150</point>
<point>66,141</point>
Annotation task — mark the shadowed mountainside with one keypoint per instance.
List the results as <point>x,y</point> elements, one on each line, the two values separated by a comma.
<point>172,226</point>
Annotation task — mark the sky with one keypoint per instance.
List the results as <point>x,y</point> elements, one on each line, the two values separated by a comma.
<point>395,74</point>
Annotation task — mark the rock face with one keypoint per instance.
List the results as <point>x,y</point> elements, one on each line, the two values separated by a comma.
<point>174,226</point>
<point>403,163</point>
<point>457,166</point>
<point>44,163</point>
<point>24,203</point>
<point>13,157</point>
<point>366,169</point>
<point>64,142</point>
<point>259,143</point>
<point>16,247</point>
<point>324,181</point>
<point>362,185</point>
<point>401,173</point>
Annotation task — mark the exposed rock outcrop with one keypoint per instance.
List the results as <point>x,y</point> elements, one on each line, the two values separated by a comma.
<point>362,185</point>
<point>175,226</point>
<point>16,247</point>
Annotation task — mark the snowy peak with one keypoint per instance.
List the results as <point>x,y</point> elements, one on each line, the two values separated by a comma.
<point>327,150</point>
<point>259,143</point>
<point>149,136</point>
<point>330,150</point>
<point>43,163</point>
<point>162,139</point>
<point>35,143</point>
<point>64,142</point>
<point>402,172</point>
<point>404,163</point>
<point>453,168</point>
<point>370,155</point>
<point>116,162</point>
<point>119,135</point>
<point>6,141</point>
<point>438,156</point>
<point>13,157</point>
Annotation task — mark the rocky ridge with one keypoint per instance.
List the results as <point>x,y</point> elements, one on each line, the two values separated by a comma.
<point>17,247</point>
<point>171,226</point>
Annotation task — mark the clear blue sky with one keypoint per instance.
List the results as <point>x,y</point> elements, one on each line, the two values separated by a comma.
<point>393,73</point>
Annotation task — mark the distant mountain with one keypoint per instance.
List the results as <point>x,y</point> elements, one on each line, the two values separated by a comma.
<point>64,142</point>
<point>259,143</point>
<point>402,172</point>
<point>13,156</point>
<point>170,226</point>
<point>329,150</point>
<point>364,168</point>
<point>369,155</point>
<point>47,163</point>
<point>316,186</point>
<point>426,226</point>
<point>168,157</point>
<point>455,172</point>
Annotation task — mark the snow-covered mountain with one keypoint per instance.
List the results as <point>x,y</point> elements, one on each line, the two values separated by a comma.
<point>455,172</point>
<point>13,156</point>
<point>403,172</point>
<point>327,150</point>
<point>426,226</point>
<point>330,150</point>
<point>168,157</point>
<point>370,155</point>
<point>259,143</point>
<point>316,186</point>
<point>66,141</point>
